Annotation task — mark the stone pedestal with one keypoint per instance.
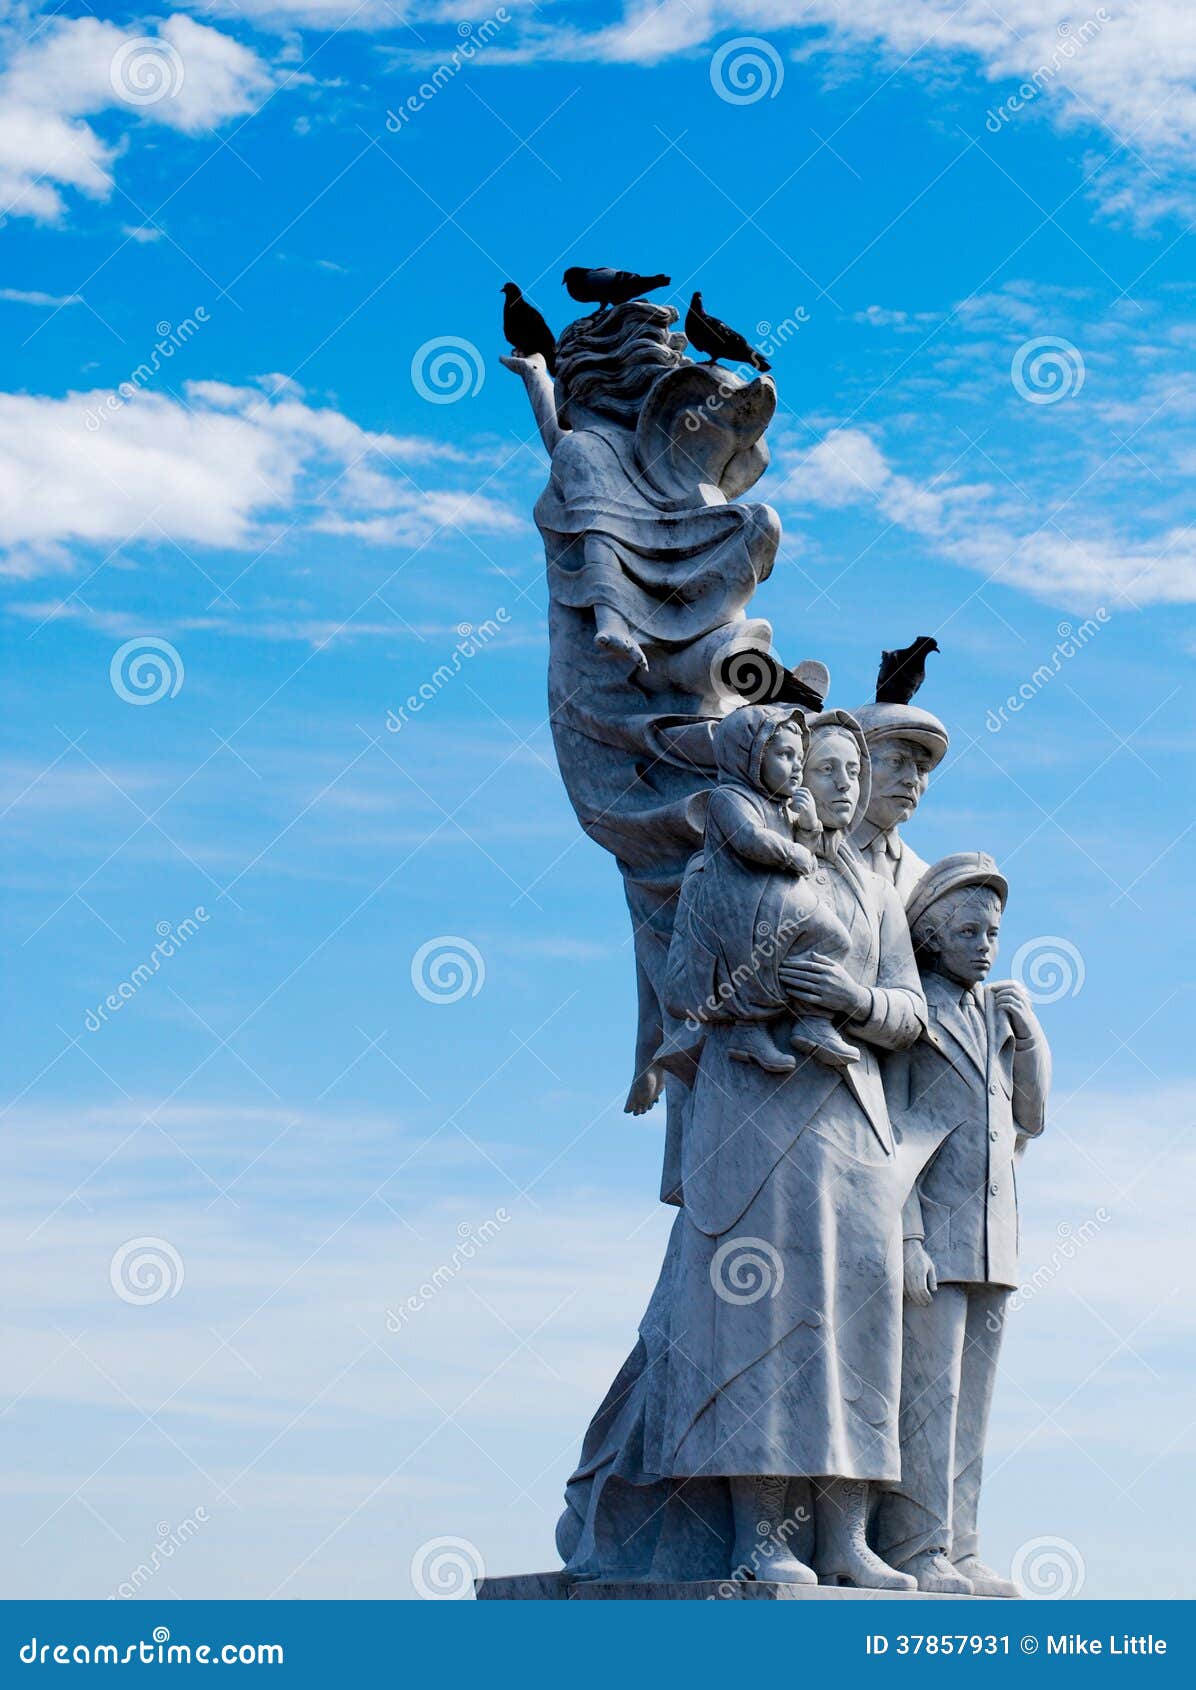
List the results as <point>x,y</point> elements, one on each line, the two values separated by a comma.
<point>551,1587</point>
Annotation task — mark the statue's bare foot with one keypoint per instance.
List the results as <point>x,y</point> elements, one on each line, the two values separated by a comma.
<point>645,1090</point>
<point>612,644</point>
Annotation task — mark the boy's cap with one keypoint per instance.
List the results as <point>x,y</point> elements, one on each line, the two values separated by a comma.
<point>949,874</point>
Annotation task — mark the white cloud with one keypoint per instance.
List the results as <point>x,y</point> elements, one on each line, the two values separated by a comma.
<point>20,296</point>
<point>186,76</point>
<point>217,468</point>
<point>847,467</point>
<point>1127,67</point>
<point>961,523</point>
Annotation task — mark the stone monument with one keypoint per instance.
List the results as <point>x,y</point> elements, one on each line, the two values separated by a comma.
<point>803,1414</point>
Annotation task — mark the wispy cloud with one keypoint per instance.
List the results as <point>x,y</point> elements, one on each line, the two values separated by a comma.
<point>188,77</point>
<point>19,296</point>
<point>222,466</point>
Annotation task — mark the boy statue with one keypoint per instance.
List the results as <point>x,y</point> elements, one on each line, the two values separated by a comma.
<point>963,1100</point>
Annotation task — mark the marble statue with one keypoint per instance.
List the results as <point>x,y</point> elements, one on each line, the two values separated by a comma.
<point>651,563</point>
<point>906,744</point>
<point>742,1387</point>
<point>964,1098</point>
<point>807,1401</point>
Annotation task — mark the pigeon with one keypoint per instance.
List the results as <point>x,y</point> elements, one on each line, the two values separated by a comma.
<point>902,672</point>
<point>526,329</point>
<point>609,287</point>
<point>717,339</point>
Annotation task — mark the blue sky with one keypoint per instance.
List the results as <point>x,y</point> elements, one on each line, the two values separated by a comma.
<point>278,500</point>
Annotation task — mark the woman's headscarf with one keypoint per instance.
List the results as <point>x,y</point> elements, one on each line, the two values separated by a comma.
<point>742,735</point>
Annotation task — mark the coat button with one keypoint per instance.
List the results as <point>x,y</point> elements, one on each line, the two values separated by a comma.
<point>993,1089</point>
<point>994,1135</point>
<point>994,1188</point>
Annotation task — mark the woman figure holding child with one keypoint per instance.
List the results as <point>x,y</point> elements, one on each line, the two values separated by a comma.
<point>768,1368</point>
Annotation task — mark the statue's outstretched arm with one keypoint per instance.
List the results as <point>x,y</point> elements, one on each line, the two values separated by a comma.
<point>534,373</point>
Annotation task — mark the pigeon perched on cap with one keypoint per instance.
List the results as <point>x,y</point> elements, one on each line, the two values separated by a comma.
<point>603,287</point>
<point>526,329</point>
<point>718,339</point>
<point>902,672</point>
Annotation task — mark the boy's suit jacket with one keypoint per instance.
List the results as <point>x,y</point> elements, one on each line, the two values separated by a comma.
<point>958,1099</point>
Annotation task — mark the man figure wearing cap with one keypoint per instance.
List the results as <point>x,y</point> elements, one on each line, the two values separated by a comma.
<point>963,1100</point>
<point>905,745</point>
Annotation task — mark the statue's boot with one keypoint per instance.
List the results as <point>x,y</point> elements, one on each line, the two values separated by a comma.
<point>817,1036</point>
<point>934,1571</point>
<point>762,1531</point>
<point>843,1555</point>
<point>983,1580</point>
<point>752,1042</point>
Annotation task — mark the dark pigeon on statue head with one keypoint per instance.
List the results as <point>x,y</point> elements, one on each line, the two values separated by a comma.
<point>718,339</point>
<point>525,329</point>
<point>902,672</point>
<point>603,287</point>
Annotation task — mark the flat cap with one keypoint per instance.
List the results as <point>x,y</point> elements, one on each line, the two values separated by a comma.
<point>903,721</point>
<point>950,874</point>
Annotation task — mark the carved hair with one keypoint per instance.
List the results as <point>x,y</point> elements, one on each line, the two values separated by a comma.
<point>609,361</point>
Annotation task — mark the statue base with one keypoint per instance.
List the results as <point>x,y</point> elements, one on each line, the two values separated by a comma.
<point>552,1587</point>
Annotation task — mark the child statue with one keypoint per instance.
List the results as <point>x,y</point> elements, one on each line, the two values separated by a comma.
<point>752,903</point>
<point>964,1100</point>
